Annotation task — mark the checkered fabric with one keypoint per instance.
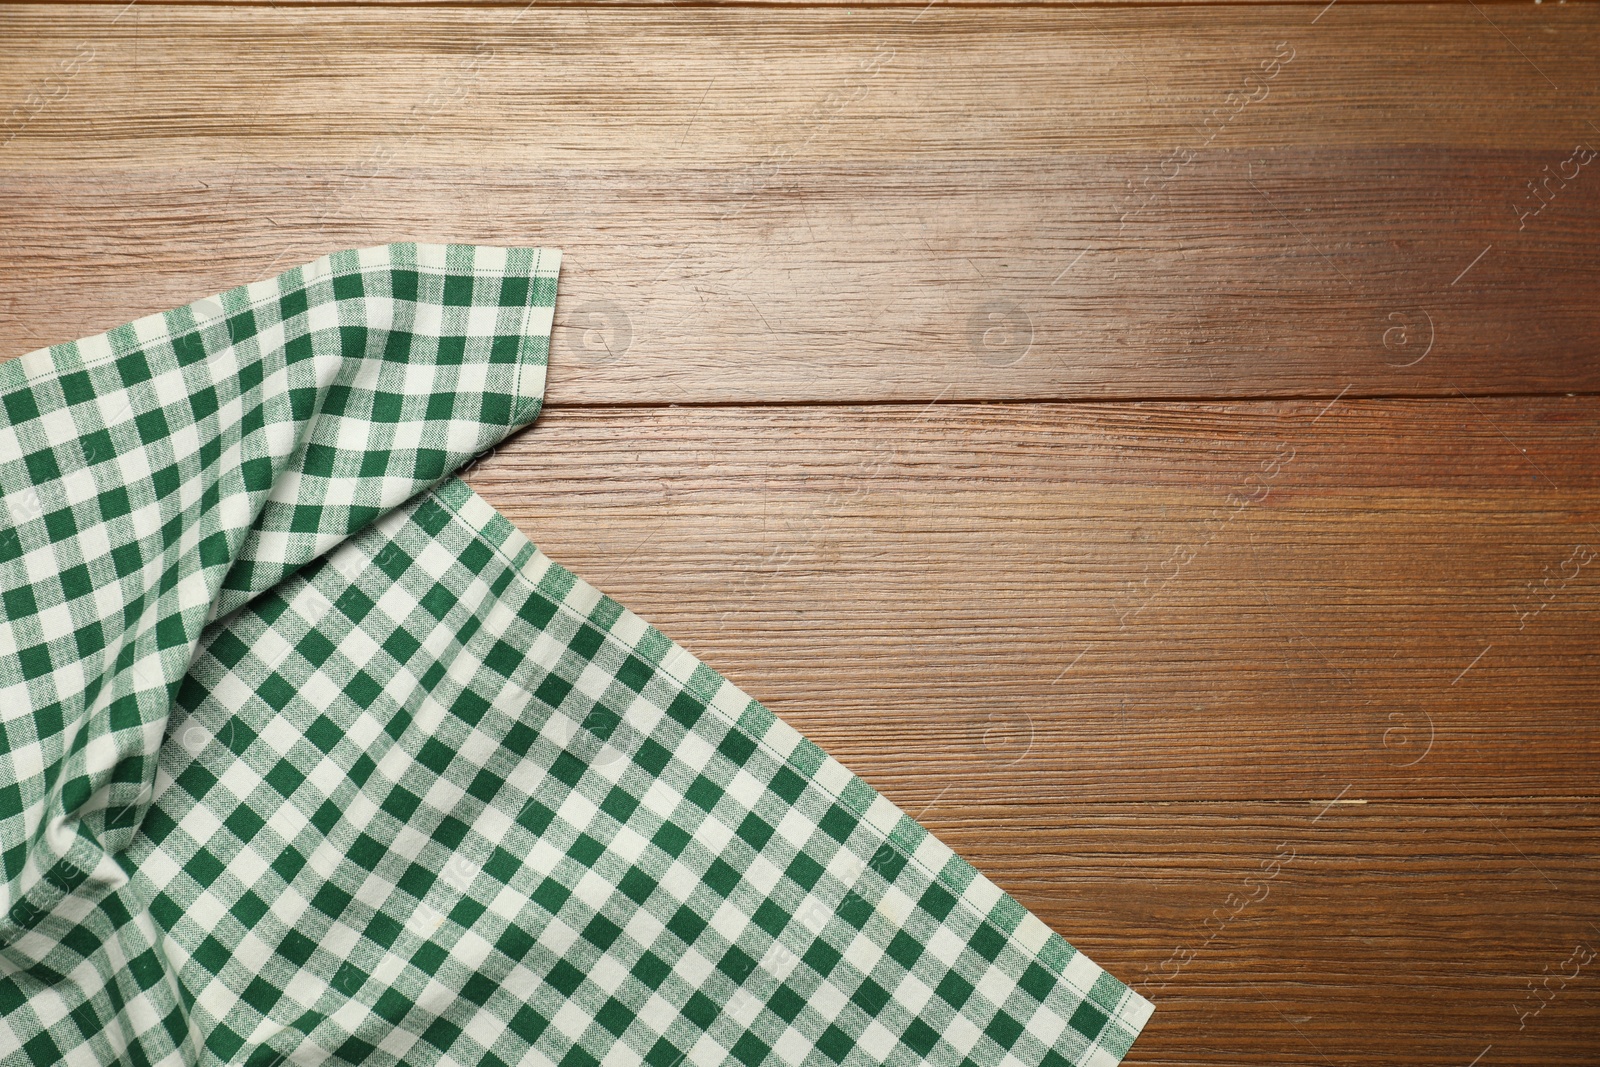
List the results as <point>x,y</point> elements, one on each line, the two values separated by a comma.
<point>307,754</point>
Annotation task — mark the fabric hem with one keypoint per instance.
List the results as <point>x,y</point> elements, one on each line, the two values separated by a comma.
<point>533,367</point>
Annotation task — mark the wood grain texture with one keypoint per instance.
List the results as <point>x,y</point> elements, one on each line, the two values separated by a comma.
<point>827,204</point>
<point>1246,601</point>
<point>913,7</point>
<point>1297,934</point>
<point>1164,485</point>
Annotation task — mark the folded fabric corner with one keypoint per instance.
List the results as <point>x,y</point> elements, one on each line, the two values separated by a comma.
<point>307,753</point>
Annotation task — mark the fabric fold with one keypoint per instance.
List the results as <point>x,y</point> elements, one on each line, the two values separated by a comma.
<point>310,755</point>
<point>161,474</point>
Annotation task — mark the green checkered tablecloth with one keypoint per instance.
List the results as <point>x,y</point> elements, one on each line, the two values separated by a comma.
<point>307,754</point>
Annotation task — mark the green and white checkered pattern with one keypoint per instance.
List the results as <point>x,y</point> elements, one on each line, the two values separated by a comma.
<point>307,754</point>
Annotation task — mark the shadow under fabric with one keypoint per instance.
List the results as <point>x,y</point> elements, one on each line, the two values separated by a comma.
<point>307,754</point>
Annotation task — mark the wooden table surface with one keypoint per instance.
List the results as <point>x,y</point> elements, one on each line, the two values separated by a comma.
<point>1154,444</point>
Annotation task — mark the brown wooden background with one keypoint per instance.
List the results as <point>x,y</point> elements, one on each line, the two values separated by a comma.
<point>1147,441</point>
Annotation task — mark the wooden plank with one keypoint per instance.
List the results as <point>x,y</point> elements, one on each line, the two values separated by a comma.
<point>913,7</point>
<point>1422,932</point>
<point>833,204</point>
<point>1238,601</point>
<point>954,83</point>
